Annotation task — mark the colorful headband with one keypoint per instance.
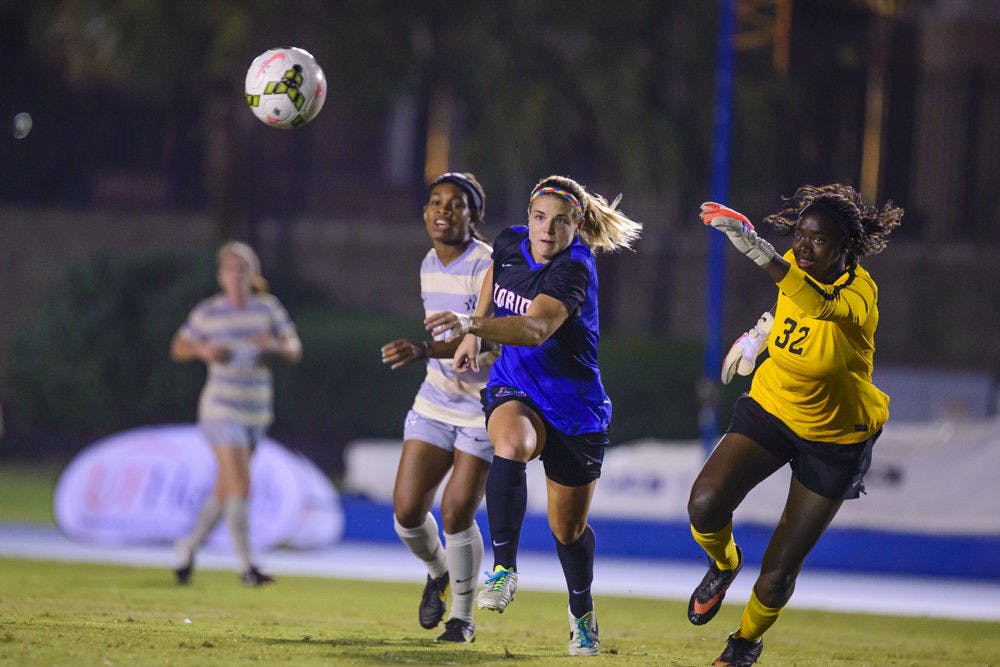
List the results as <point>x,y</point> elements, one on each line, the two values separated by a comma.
<point>559,192</point>
<point>476,198</point>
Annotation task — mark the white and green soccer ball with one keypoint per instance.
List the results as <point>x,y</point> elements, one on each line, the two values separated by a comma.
<point>285,87</point>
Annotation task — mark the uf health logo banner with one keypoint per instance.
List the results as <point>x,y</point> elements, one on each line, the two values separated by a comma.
<point>146,485</point>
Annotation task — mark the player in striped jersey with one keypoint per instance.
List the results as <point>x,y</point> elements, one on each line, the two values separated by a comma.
<point>445,429</point>
<point>811,405</point>
<point>237,334</point>
<point>545,398</point>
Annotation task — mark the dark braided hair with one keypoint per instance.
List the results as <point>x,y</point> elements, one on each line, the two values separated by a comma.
<point>866,228</point>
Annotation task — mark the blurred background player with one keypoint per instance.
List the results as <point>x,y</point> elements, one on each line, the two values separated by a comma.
<point>544,397</point>
<point>237,334</point>
<point>811,403</point>
<point>445,429</point>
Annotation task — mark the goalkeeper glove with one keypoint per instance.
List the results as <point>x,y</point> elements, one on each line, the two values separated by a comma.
<point>739,230</point>
<point>742,356</point>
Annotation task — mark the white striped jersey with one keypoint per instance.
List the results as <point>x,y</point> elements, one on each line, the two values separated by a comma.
<point>444,395</point>
<point>241,389</point>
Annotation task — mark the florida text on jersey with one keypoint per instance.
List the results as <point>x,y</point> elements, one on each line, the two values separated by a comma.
<point>560,375</point>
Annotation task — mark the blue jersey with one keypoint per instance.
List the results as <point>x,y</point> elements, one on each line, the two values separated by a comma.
<point>560,375</point>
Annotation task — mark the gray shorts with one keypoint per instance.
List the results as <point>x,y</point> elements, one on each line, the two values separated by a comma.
<point>466,439</point>
<point>229,433</point>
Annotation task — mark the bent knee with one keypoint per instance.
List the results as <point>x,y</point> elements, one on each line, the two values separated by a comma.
<point>705,509</point>
<point>409,515</point>
<point>456,517</point>
<point>513,450</point>
<point>568,533</point>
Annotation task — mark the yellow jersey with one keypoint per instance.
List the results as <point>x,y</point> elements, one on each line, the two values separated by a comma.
<point>817,379</point>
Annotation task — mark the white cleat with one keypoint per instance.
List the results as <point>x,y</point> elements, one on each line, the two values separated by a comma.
<point>583,635</point>
<point>185,561</point>
<point>499,590</point>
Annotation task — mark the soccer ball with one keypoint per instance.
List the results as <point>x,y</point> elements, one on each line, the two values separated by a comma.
<point>285,87</point>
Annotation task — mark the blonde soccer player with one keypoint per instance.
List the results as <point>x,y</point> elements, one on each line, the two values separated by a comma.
<point>545,398</point>
<point>237,333</point>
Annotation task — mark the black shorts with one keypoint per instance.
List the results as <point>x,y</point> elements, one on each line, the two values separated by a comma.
<point>832,470</point>
<point>570,460</point>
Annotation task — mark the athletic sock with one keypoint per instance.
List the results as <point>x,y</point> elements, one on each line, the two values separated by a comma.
<point>756,619</point>
<point>424,543</point>
<point>506,502</point>
<point>577,561</point>
<point>464,554</point>
<point>720,546</point>
<point>208,517</point>
<point>237,517</point>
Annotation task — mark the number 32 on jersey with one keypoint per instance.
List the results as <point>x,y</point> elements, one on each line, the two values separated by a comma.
<point>791,337</point>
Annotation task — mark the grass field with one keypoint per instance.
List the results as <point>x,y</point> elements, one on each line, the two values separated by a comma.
<point>55,613</point>
<point>83,614</point>
<point>26,491</point>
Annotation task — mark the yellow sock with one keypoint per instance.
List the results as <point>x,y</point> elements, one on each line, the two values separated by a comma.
<point>756,618</point>
<point>720,546</point>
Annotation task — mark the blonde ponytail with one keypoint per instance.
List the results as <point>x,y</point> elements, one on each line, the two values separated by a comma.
<point>247,254</point>
<point>602,226</point>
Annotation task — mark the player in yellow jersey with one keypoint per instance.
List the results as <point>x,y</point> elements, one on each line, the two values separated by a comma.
<point>811,405</point>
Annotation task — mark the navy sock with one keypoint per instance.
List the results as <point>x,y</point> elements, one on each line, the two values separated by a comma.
<point>578,566</point>
<point>506,502</point>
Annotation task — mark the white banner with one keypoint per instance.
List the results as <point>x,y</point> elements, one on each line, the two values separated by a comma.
<point>648,479</point>
<point>146,485</point>
<point>933,478</point>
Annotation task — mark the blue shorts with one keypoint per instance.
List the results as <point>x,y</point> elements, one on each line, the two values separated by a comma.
<point>468,439</point>
<point>830,469</point>
<point>570,460</point>
<point>229,433</point>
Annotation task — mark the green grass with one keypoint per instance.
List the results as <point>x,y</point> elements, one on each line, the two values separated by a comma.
<point>26,491</point>
<point>85,614</point>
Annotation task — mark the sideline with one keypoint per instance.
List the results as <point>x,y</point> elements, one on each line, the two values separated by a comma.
<point>379,561</point>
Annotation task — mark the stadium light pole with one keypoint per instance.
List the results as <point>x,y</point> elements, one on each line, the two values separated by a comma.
<point>709,386</point>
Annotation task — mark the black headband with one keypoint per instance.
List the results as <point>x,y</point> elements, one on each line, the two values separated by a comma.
<point>468,186</point>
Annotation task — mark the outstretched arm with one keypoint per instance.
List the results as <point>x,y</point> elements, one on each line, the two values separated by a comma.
<point>740,231</point>
<point>852,304</point>
<point>544,316</point>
